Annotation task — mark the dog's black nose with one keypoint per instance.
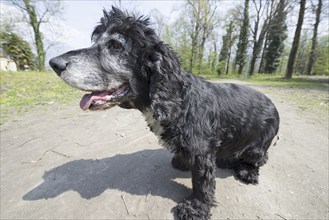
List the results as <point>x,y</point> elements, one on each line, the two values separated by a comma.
<point>58,64</point>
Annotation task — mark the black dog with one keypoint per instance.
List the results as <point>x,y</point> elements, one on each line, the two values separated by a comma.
<point>202,123</point>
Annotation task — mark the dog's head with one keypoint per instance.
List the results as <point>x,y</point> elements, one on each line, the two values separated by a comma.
<point>116,69</point>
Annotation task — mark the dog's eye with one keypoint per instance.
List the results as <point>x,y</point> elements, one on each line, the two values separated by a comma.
<point>113,44</point>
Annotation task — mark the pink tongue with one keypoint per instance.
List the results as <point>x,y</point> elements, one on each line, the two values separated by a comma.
<point>89,98</point>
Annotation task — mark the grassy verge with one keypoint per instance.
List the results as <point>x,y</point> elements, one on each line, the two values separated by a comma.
<point>297,82</point>
<point>21,91</point>
<point>309,94</point>
<point>278,80</point>
<point>313,99</point>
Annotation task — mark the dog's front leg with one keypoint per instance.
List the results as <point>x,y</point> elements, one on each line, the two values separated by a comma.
<point>203,198</point>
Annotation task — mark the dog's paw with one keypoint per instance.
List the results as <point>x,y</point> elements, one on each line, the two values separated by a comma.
<point>247,174</point>
<point>193,210</point>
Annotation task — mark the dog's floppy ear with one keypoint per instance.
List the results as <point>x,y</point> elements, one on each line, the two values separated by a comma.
<point>154,63</point>
<point>165,82</point>
<point>150,61</point>
<point>163,61</point>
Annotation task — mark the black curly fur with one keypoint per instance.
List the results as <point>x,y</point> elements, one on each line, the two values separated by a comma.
<point>202,123</point>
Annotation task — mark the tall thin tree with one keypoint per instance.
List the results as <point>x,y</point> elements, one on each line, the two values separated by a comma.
<point>258,39</point>
<point>243,39</point>
<point>270,14</point>
<point>295,43</point>
<point>208,23</point>
<point>314,39</point>
<point>276,36</point>
<point>195,30</point>
<point>227,42</point>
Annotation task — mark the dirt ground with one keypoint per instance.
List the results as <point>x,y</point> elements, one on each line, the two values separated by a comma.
<point>62,163</point>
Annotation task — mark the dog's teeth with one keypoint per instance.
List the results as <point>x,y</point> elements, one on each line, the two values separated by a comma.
<point>99,102</point>
<point>108,97</point>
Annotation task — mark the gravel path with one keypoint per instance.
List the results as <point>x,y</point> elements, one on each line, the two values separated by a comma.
<point>62,163</point>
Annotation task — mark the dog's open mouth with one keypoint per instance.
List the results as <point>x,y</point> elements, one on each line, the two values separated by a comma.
<point>105,99</point>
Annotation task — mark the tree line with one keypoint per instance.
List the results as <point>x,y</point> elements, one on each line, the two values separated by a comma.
<point>251,38</point>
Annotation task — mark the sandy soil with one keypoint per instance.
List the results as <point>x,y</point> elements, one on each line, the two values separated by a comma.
<point>62,163</point>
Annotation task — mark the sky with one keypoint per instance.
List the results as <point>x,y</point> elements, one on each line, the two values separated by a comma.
<point>72,28</point>
<point>82,16</point>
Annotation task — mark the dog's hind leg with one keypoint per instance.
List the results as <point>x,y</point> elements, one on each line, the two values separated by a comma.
<point>248,170</point>
<point>203,198</point>
<point>179,163</point>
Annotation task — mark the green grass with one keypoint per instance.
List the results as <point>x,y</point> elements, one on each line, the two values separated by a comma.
<point>307,93</point>
<point>21,91</point>
<point>276,80</point>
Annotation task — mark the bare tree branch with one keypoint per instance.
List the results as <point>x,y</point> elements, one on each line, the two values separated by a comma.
<point>16,3</point>
<point>36,13</point>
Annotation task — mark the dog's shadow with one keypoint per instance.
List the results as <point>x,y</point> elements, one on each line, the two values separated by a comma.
<point>140,173</point>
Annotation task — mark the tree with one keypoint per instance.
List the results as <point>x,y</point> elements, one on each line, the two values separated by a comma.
<point>178,37</point>
<point>18,50</point>
<point>302,53</point>
<point>258,40</point>
<point>228,40</point>
<point>202,22</point>
<point>208,23</point>
<point>243,39</point>
<point>272,9</point>
<point>211,55</point>
<point>159,21</point>
<point>321,65</point>
<point>225,50</point>
<point>276,36</point>
<point>314,39</point>
<point>35,14</point>
<point>195,29</point>
<point>295,43</point>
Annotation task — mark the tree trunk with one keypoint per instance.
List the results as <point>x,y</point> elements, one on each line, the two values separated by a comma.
<point>243,38</point>
<point>201,54</point>
<point>257,47</point>
<point>254,48</point>
<point>240,69</point>
<point>37,34</point>
<point>295,43</point>
<point>314,39</point>
<point>252,64</point>
<point>262,60</point>
<point>265,37</point>
<point>214,58</point>
<point>255,41</point>
<point>234,66</point>
<point>195,34</point>
<point>228,61</point>
<point>193,48</point>
<point>228,40</point>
